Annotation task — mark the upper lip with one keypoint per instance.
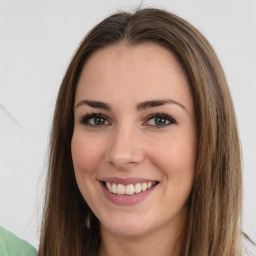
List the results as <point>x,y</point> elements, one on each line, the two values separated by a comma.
<point>127,181</point>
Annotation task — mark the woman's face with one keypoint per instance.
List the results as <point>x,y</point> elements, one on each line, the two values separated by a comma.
<point>134,143</point>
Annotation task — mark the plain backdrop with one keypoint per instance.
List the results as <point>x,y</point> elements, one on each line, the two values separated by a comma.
<point>37,40</point>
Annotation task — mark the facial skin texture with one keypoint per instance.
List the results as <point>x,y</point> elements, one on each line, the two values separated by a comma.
<point>129,144</point>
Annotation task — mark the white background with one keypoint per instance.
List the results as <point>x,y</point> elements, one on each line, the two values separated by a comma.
<point>37,40</point>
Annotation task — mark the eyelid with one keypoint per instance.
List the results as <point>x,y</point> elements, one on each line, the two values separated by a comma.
<point>85,118</point>
<point>166,116</point>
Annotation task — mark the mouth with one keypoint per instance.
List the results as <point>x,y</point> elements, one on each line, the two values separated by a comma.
<point>129,189</point>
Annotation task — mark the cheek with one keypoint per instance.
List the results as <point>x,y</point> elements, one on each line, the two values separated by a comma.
<point>86,155</point>
<point>175,157</point>
<point>86,160</point>
<point>176,161</point>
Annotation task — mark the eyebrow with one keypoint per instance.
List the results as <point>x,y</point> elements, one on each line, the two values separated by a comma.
<point>140,106</point>
<point>157,103</point>
<point>94,104</point>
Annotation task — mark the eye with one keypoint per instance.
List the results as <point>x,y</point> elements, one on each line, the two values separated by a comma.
<point>94,119</point>
<point>160,120</point>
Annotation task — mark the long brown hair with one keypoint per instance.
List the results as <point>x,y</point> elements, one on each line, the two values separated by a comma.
<point>69,227</point>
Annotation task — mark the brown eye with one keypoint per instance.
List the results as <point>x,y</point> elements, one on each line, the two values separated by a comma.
<point>94,120</point>
<point>97,121</point>
<point>160,120</point>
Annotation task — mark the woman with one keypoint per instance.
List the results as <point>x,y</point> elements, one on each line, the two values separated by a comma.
<point>145,154</point>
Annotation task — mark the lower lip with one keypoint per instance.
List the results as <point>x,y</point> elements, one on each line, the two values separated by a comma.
<point>127,199</point>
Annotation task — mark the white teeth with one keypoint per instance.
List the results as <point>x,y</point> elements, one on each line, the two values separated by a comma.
<point>120,189</point>
<point>144,186</point>
<point>114,188</point>
<point>129,189</point>
<point>109,187</point>
<point>137,188</point>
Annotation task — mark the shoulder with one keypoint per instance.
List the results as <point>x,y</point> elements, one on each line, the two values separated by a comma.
<point>11,245</point>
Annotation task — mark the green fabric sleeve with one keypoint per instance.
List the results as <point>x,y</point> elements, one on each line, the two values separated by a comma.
<point>11,245</point>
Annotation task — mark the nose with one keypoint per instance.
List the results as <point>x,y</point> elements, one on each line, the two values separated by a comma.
<point>124,148</point>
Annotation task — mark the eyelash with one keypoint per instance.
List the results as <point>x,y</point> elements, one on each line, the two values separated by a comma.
<point>85,119</point>
<point>161,115</point>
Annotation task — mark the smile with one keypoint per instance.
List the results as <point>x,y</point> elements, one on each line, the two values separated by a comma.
<point>129,189</point>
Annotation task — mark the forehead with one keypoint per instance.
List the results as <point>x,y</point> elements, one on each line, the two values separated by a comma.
<point>136,71</point>
<point>140,58</point>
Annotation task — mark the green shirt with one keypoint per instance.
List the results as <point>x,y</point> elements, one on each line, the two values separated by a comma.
<point>11,245</point>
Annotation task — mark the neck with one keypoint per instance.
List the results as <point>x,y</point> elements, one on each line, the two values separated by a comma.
<point>162,242</point>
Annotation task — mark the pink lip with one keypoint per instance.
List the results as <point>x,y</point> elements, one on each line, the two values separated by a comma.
<point>127,199</point>
<point>127,181</point>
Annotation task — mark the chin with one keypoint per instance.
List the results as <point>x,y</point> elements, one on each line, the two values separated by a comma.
<point>128,227</point>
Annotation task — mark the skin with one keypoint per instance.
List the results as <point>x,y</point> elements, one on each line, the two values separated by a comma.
<point>130,144</point>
